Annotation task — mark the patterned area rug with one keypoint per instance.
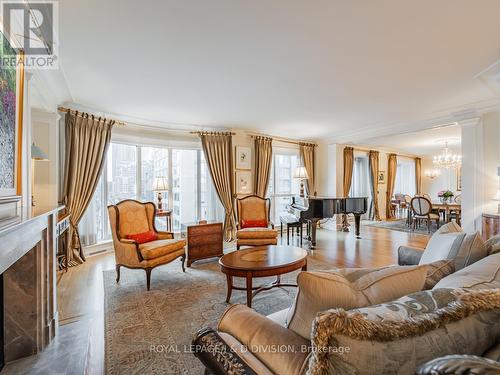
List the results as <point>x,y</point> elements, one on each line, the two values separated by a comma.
<point>400,226</point>
<point>151,332</point>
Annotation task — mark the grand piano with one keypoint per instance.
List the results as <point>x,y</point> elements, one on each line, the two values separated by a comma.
<point>312,209</point>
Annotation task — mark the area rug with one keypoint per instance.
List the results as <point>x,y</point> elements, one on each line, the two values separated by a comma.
<point>400,226</point>
<point>151,332</point>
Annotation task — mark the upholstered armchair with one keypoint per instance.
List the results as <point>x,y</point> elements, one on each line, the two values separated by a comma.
<point>254,224</point>
<point>130,220</point>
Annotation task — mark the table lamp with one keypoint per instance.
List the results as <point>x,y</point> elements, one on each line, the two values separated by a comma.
<point>160,185</point>
<point>301,174</point>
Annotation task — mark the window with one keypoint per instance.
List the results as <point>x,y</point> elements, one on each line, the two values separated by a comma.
<point>360,186</point>
<point>121,172</point>
<point>129,173</point>
<point>282,185</point>
<point>405,177</point>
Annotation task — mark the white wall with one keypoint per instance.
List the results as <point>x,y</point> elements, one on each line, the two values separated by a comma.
<point>44,128</point>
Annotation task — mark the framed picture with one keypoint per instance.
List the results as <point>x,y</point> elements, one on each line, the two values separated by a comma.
<point>243,157</point>
<point>381,177</point>
<point>11,115</point>
<point>459,178</point>
<point>244,182</point>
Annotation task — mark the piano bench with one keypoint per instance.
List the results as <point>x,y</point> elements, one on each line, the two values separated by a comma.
<point>291,223</point>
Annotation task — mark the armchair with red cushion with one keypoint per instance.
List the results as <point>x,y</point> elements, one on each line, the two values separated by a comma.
<point>254,225</point>
<point>137,243</point>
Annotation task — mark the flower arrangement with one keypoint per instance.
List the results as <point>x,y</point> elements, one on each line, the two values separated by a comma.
<point>445,195</point>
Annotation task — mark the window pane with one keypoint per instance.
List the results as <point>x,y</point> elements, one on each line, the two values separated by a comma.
<point>210,207</point>
<point>154,163</point>
<point>122,172</point>
<point>283,183</point>
<point>184,187</point>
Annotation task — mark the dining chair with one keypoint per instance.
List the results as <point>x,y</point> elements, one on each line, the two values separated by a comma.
<point>457,213</point>
<point>407,199</point>
<point>421,210</point>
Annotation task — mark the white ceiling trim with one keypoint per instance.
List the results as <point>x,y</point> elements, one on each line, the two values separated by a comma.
<point>443,118</point>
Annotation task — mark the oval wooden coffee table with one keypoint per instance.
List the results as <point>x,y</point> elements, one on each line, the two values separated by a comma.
<point>261,261</point>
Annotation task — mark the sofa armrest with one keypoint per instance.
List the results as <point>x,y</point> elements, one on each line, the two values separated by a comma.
<point>409,256</point>
<point>164,235</point>
<point>217,355</point>
<point>264,338</point>
<point>459,364</point>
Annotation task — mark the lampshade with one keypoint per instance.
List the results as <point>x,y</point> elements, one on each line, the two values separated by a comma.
<point>300,173</point>
<point>160,184</point>
<point>37,153</point>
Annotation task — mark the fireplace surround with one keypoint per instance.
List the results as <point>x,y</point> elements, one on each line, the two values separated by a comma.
<point>28,272</point>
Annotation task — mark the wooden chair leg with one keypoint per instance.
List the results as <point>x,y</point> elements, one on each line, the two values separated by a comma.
<point>117,273</point>
<point>148,277</point>
<point>183,259</point>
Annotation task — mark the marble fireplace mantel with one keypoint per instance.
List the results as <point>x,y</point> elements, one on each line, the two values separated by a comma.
<point>28,268</point>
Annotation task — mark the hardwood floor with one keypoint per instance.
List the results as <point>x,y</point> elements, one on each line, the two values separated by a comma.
<point>81,297</point>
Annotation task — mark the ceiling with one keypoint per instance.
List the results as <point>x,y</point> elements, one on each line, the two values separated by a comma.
<point>427,142</point>
<point>301,69</point>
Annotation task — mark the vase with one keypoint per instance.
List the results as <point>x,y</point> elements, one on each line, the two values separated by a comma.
<point>444,200</point>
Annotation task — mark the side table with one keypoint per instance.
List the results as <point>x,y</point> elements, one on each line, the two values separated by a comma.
<point>202,240</point>
<point>167,214</point>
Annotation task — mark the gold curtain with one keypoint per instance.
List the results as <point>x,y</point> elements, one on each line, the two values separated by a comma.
<point>348,166</point>
<point>418,175</point>
<point>87,140</point>
<point>218,150</point>
<point>391,179</point>
<point>263,159</point>
<point>307,156</point>
<point>373,161</point>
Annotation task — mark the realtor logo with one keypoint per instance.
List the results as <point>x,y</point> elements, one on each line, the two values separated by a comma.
<point>32,28</point>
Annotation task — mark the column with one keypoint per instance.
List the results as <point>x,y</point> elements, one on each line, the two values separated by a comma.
<point>472,173</point>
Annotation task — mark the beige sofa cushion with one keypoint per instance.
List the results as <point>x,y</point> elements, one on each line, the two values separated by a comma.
<point>485,273</point>
<point>349,288</point>
<point>399,336</point>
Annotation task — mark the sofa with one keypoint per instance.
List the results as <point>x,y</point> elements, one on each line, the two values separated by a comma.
<point>431,318</point>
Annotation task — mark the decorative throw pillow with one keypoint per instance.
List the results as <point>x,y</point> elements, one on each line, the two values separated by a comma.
<point>349,288</point>
<point>253,224</point>
<point>451,227</point>
<point>438,270</point>
<point>397,337</point>
<point>493,245</point>
<point>143,237</point>
<point>442,246</point>
<point>471,250</point>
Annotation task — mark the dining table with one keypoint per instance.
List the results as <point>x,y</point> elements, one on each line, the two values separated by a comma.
<point>447,208</point>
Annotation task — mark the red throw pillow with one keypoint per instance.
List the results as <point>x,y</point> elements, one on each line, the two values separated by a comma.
<point>143,237</point>
<point>253,223</point>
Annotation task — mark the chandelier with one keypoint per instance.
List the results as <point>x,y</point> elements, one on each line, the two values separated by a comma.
<point>447,159</point>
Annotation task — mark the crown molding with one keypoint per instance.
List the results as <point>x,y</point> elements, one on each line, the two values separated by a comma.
<point>439,119</point>
<point>142,123</point>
